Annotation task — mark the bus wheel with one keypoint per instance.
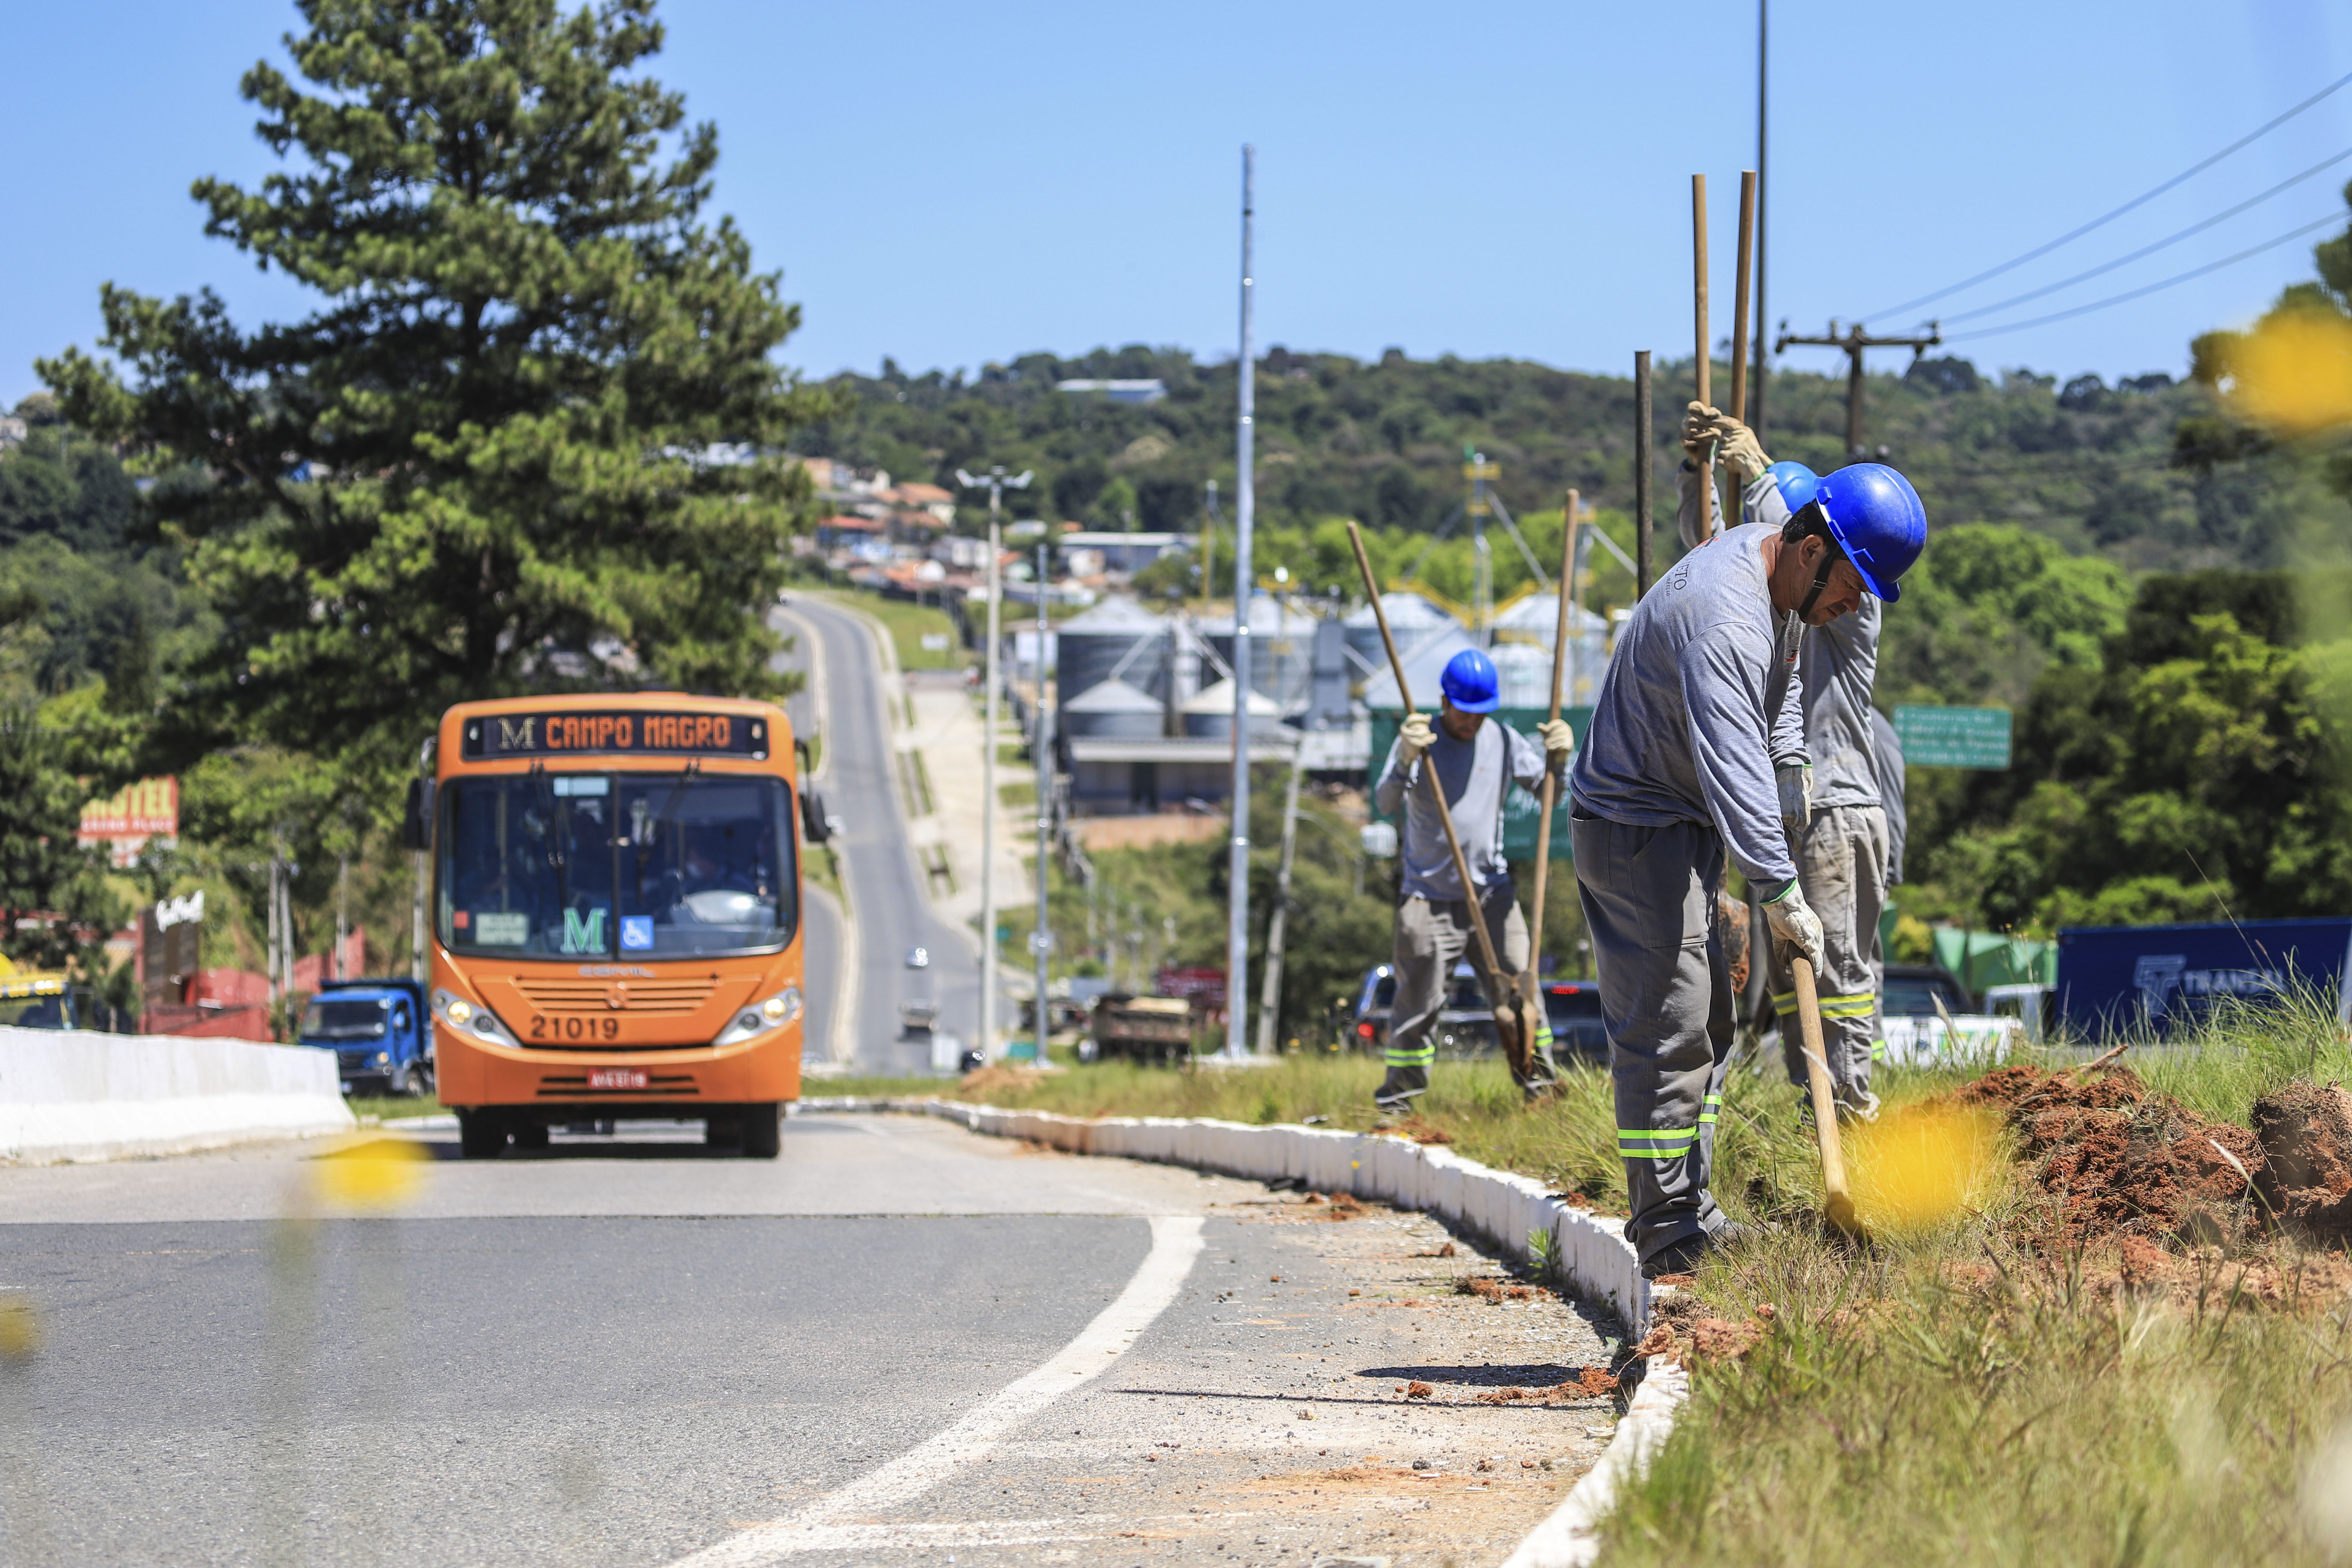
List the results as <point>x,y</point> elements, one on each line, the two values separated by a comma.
<point>721,1131</point>
<point>481,1134</point>
<point>763,1131</point>
<point>531,1135</point>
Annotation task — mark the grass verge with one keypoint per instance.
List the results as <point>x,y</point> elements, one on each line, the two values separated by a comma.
<point>1959,1387</point>
<point>908,624</point>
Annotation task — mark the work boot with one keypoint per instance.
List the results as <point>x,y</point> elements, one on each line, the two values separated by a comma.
<point>1678,1257</point>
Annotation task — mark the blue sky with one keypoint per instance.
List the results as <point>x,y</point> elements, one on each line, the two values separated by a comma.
<point>953,184</point>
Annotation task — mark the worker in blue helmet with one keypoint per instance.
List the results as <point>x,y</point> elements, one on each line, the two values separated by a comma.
<point>1475,763</point>
<point>1834,799</point>
<point>1698,716</point>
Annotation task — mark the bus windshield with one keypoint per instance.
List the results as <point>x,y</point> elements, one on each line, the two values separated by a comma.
<point>625,865</point>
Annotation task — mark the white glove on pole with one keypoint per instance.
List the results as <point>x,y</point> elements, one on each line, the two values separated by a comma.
<point>1736,448</point>
<point>1559,741</point>
<point>1796,783</point>
<point>1796,930</point>
<point>1413,738</point>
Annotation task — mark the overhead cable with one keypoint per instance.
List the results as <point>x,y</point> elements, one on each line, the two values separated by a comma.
<point>2139,200</point>
<point>2334,217</point>
<point>2151,250</point>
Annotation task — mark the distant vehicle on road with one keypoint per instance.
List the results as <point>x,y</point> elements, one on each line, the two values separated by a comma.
<point>1465,1024</point>
<point>616,913</point>
<point>919,958</point>
<point>36,1001</point>
<point>1143,1028</point>
<point>381,1031</point>
<point>2167,979</point>
<point>1578,1032</point>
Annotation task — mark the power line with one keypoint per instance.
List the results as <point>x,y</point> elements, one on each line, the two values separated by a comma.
<point>2136,201</point>
<point>2151,250</point>
<point>2152,287</point>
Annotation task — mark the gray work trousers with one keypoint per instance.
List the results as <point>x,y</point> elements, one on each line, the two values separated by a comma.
<point>1432,935</point>
<point>1665,999</point>
<point>1841,867</point>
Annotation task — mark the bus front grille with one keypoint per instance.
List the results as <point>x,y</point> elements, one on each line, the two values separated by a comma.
<point>652,998</point>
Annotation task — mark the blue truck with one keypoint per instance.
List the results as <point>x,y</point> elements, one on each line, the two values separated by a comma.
<point>2162,980</point>
<point>381,1031</point>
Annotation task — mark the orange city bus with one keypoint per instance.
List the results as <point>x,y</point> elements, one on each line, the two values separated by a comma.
<point>615,913</point>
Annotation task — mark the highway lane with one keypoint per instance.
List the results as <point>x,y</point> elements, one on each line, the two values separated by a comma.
<point>859,779</point>
<point>630,1351</point>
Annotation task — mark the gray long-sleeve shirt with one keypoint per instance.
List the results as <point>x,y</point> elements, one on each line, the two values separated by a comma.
<point>1471,774</point>
<point>1886,759</point>
<point>1694,708</point>
<point>1837,665</point>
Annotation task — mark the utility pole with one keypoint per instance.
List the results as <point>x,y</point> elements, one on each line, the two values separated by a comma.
<point>1041,741</point>
<point>1209,550</point>
<point>995,481</point>
<point>1480,472</point>
<point>1270,1000</point>
<point>1853,342</point>
<point>1245,514</point>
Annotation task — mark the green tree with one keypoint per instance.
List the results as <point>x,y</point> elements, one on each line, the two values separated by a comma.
<point>497,453</point>
<point>54,902</point>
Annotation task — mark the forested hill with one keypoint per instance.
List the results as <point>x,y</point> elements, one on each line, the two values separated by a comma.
<point>2090,466</point>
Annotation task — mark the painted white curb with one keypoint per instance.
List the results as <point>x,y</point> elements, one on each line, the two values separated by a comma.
<point>1595,1259</point>
<point>76,1095</point>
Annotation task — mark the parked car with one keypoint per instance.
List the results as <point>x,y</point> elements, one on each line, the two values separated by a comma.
<point>1927,1019</point>
<point>1578,1033</point>
<point>1465,1024</point>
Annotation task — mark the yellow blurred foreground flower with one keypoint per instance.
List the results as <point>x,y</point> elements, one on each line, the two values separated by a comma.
<point>20,1327</point>
<point>1916,1168</point>
<point>379,1174</point>
<point>2294,373</point>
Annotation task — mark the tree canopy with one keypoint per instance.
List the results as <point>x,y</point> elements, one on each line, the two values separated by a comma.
<point>526,440</point>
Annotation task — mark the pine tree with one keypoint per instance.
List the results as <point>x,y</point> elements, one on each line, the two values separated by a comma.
<point>533,435</point>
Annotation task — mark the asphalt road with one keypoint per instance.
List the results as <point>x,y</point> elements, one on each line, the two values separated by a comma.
<point>858,777</point>
<point>634,1352</point>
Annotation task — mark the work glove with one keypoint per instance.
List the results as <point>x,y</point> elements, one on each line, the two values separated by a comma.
<point>1559,741</point>
<point>1796,930</point>
<point>1699,431</point>
<point>1735,447</point>
<point>1796,784</point>
<point>1412,739</point>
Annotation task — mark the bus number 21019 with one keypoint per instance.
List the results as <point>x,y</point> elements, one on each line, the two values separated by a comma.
<point>546,1029</point>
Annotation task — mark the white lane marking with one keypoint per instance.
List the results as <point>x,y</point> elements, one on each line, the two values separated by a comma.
<point>953,1533</point>
<point>841,1033</point>
<point>1175,1243</point>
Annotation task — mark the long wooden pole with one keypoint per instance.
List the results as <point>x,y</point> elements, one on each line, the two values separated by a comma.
<point>1836,1200</point>
<point>1641,473</point>
<point>1501,985</point>
<point>1740,292</point>
<point>1704,363</point>
<point>1530,996</point>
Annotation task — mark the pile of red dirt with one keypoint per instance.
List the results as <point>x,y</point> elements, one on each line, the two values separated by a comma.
<point>1498,1290</point>
<point>2116,1159</point>
<point>2305,1133</point>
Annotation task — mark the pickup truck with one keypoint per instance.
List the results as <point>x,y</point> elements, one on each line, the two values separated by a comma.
<point>1143,1028</point>
<point>381,1031</point>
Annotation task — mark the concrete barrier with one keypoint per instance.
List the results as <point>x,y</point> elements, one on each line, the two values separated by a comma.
<point>75,1095</point>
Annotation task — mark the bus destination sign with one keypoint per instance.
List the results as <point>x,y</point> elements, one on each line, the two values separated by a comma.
<point>493,736</point>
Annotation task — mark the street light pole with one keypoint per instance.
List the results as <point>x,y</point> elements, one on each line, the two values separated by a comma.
<point>1041,741</point>
<point>996,482</point>
<point>1244,513</point>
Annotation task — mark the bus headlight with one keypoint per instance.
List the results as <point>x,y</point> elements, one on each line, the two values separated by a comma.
<point>465,1017</point>
<point>758,1017</point>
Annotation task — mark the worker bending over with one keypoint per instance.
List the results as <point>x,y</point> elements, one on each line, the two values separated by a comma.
<point>1832,802</point>
<point>1694,713</point>
<point>1475,761</point>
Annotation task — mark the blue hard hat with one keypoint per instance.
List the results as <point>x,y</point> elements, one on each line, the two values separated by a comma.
<point>1796,484</point>
<point>1876,519</point>
<point>1470,684</point>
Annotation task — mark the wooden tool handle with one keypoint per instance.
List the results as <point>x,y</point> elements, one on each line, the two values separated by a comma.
<point>1739,294</point>
<point>1550,784</point>
<point>1836,1200</point>
<point>1496,977</point>
<point>1705,363</point>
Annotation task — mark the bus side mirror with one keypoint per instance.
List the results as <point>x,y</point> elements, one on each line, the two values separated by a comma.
<point>416,822</point>
<point>813,825</point>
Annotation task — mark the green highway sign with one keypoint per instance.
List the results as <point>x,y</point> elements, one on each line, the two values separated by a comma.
<point>1522,813</point>
<point>1953,737</point>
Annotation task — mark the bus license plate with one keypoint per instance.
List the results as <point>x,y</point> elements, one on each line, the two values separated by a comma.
<point>616,1077</point>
